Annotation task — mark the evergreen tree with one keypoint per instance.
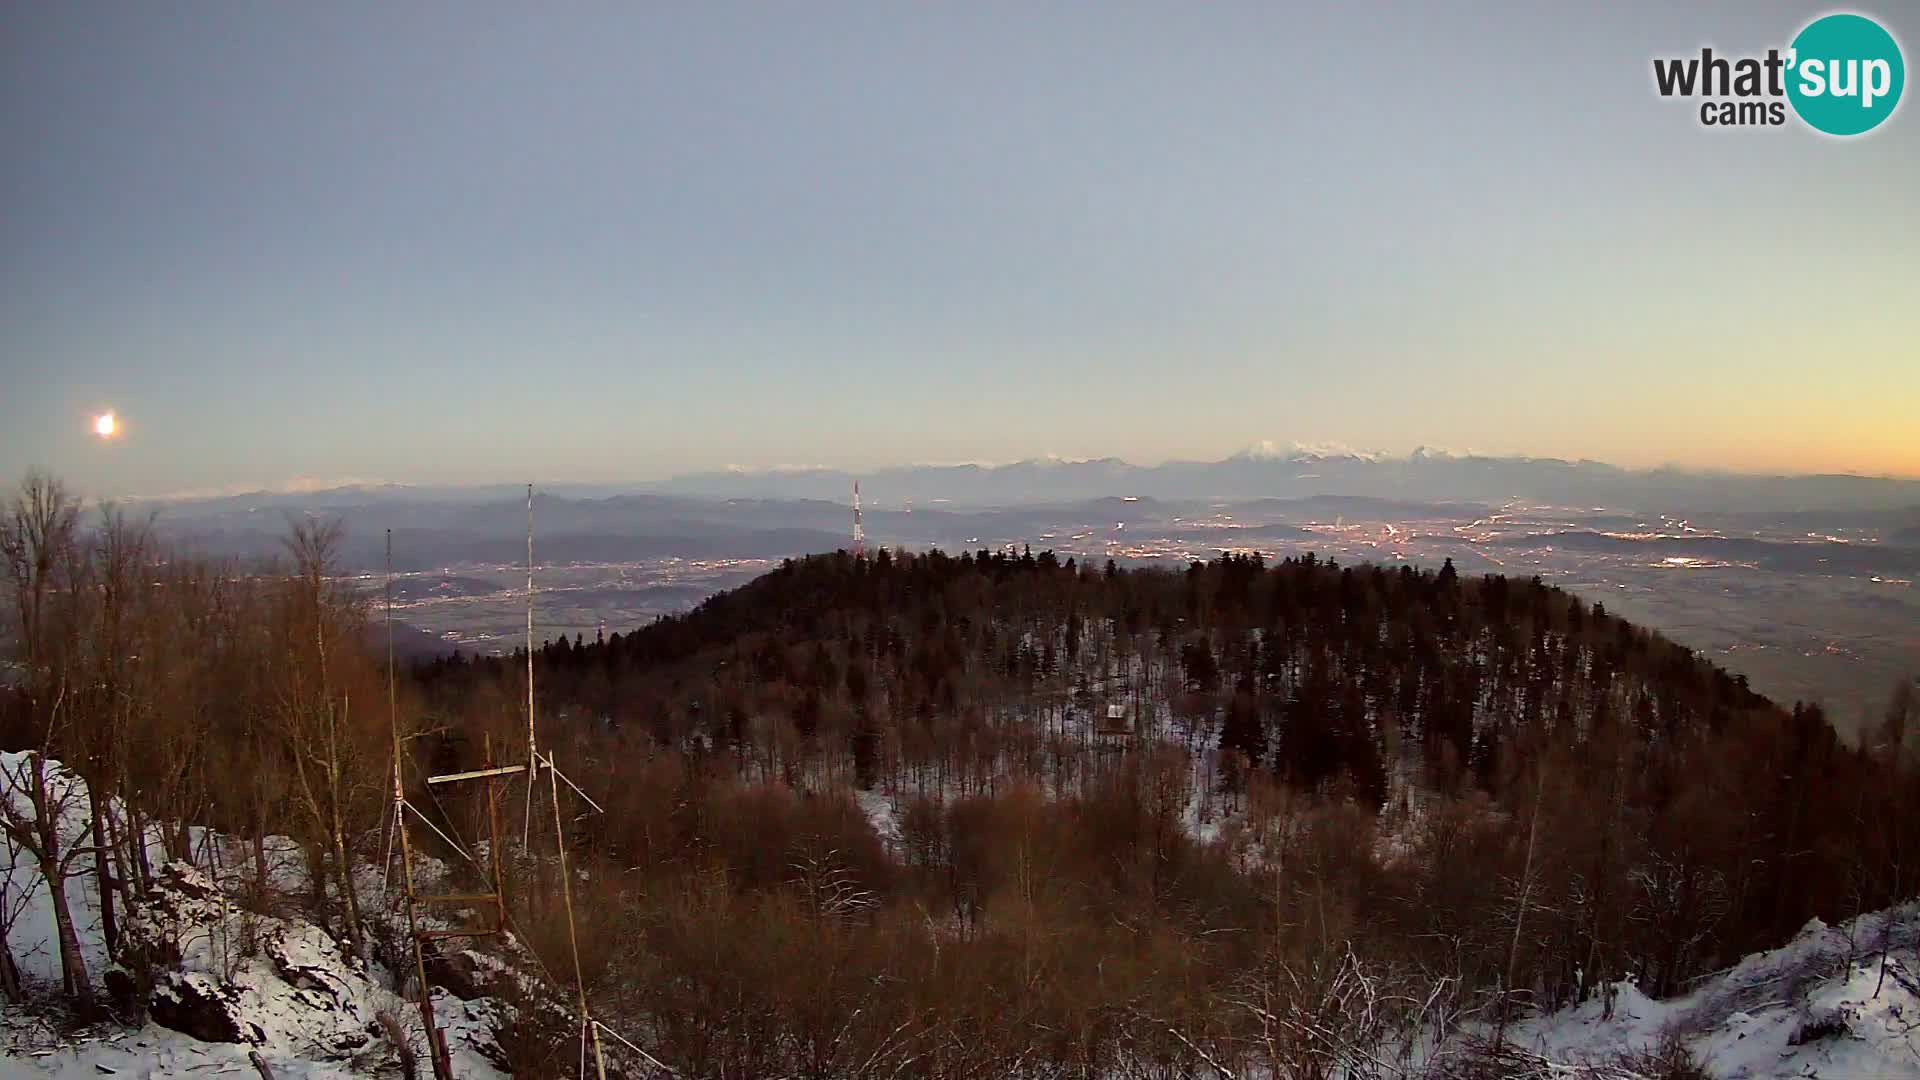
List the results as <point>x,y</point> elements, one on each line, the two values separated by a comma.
<point>1243,730</point>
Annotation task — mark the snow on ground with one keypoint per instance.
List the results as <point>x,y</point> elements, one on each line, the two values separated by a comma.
<point>879,810</point>
<point>155,1052</point>
<point>23,892</point>
<point>28,1050</point>
<point>1818,1006</point>
<point>280,985</point>
<point>1201,816</point>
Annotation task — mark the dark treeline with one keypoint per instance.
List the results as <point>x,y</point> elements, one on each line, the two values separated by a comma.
<point>976,816</point>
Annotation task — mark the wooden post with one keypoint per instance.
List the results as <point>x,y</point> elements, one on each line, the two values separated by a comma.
<point>573,939</point>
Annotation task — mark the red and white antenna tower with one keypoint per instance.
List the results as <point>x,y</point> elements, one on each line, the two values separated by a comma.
<point>859,530</point>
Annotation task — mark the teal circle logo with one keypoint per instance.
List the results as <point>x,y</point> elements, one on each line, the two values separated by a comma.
<point>1845,74</point>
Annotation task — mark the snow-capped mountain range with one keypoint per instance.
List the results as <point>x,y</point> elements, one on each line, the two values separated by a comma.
<point>1296,470</point>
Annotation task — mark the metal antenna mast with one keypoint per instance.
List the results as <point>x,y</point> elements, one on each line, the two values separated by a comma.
<point>590,1028</point>
<point>859,530</point>
<point>533,752</point>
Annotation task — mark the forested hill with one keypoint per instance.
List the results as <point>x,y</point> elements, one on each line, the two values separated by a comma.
<point>1660,799</point>
<point>1310,669</point>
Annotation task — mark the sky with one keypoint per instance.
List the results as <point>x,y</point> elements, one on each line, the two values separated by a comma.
<point>447,243</point>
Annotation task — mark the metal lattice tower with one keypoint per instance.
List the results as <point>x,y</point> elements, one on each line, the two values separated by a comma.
<point>859,530</point>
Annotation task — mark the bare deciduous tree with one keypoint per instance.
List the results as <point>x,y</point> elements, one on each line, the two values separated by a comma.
<point>39,546</point>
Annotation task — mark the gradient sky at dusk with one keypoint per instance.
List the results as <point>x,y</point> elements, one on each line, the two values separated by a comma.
<point>466,242</point>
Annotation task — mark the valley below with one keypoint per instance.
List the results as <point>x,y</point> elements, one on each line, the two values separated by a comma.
<point>1810,607</point>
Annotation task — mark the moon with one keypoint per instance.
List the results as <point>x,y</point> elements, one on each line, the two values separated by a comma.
<point>105,425</point>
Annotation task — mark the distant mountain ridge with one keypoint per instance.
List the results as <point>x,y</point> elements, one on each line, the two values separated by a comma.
<point>1424,476</point>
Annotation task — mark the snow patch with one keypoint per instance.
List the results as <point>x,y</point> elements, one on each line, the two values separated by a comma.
<point>1833,1002</point>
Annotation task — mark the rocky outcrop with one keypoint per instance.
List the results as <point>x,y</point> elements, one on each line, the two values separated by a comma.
<point>197,1006</point>
<point>460,974</point>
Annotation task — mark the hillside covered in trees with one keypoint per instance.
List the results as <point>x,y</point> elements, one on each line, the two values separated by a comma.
<point>1122,789</point>
<point>990,814</point>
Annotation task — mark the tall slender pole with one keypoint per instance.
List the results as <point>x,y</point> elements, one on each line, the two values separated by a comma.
<point>589,1029</point>
<point>530,618</point>
<point>393,710</point>
<point>441,1069</point>
<point>533,752</point>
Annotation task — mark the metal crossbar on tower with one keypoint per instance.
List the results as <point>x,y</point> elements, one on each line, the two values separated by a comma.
<point>859,530</point>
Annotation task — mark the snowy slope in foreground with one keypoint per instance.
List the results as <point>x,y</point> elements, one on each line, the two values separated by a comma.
<point>1823,1005</point>
<point>275,985</point>
<point>1816,1007</point>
